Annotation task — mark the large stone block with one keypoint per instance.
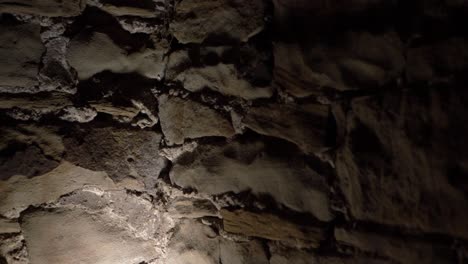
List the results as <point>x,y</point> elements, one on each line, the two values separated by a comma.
<point>96,52</point>
<point>19,192</point>
<point>184,119</point>
<point>273,169</point>
<point>119,152</point>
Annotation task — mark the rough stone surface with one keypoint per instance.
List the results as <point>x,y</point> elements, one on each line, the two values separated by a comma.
<point>96,52</point>
<point>20,53</point>
<point>183,207</point>
<point>233,131</point>
<point>183,119</point>
<point>197,21</point>
<point>306,126</point>
<point>257,167</point>
<point>19,192</point>
<point>84,234</point>
<point>193,243</point>
<point>35,107</point>
<point>222,78</point>
<point>120,153</point>
<point>56,74</point>
<point>250,252</point>
<point>13,250</point>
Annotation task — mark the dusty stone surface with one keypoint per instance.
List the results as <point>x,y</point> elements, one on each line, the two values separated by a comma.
<point>85,233</point>
<point>222,77</point>
<point>183,119</point>
<point>56,74</point>
<point>195,243</point>
<point>249,252</point>
<point>196,21</point>
<point>20,53</point>
<point>35,107</point>
<point>192,243</point>
<point>19,192</point>
<point>258,168</point>
<point>96,52</point>
<point>120,153</point>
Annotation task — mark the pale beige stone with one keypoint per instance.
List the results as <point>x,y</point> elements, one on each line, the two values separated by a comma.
<point>76,237</point>
<point>97,52</point>
<point>250,166</point>
<point>19,192</point>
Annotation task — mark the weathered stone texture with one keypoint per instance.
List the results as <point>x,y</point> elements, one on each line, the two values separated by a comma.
<point>306,126</point>
<point>197,21</point>
<point>184,119</point>
<point>96,52</point>
<point>19,192</point>
<point>224,78</point>
<point>120,153</point>
<point>257,167</point>
<point>75,236</point>
<point>20,53</point>
<point>233,131</point>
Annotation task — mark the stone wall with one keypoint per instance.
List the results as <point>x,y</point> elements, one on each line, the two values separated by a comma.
<point>233,131</point>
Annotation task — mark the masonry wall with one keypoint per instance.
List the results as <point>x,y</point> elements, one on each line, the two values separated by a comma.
<point>233,131</point>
